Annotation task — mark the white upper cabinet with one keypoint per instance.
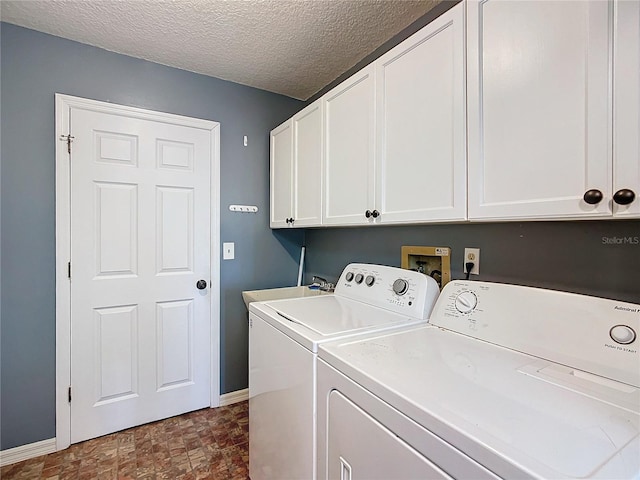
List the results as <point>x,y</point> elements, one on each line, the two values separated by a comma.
<point>626,108</point>
<point>395,133</point>
<point>281,178</point>
<point>539,110</point>
<point>296,170</point>
<point>350,150</point>
<point>421,125</point>
<point>510,110</point>
<point>307,166</point>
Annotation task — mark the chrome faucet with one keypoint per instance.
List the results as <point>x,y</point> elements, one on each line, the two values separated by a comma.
<point>325,286</point>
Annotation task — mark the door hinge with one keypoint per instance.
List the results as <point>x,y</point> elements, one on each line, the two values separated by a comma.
<point>69,394</point>
<point>69,269</point>
<point>67,138</point>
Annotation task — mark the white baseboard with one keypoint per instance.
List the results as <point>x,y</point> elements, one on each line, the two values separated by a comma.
<point>25,452</point>
<point>234,397</point>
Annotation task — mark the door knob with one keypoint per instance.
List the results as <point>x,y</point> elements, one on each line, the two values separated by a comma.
<point>201,284</point>
<point>624,196</point>
<point>593,196</point>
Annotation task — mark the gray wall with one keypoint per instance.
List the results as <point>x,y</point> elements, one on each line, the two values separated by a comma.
<point>34,67</point>
<point>581,257</point>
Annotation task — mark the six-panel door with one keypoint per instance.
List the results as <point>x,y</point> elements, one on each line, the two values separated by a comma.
<point>140,242</point>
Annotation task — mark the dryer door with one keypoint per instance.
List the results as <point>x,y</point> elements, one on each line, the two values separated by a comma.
<point>361,448</point>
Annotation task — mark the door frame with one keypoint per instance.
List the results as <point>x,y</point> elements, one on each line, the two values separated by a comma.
<point>63,105</point>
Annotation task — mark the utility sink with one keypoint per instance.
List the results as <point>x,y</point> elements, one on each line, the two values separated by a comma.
<point>279,294</point>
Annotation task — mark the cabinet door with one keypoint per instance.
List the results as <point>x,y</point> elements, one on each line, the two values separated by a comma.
<point>307,166</point>
<point>421,155</point>
<point>626,94</point>
<point>350,150</point>
<point>538,106</point>
<point>281,174</point>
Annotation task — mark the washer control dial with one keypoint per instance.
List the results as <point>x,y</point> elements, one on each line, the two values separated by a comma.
<point>370,280</point>
<point>466,302</point>
<point>359,278</point>
<point>622,334</point>
<point>400,286</point>
<point>349,276</point>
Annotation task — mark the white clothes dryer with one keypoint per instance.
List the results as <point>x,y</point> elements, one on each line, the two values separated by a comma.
<point>284,336</point>
<point>505,382</point>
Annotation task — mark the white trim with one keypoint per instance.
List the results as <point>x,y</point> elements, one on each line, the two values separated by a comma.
<point>234,397</point>
<point>64,104</point>
<point>63,285</point>
<point>215,266</point>
<point>25,452</point>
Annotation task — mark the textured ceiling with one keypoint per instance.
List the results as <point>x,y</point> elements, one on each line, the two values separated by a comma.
<point>292,47</point>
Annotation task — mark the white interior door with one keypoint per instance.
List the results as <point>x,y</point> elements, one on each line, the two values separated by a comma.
<point>140,242</point>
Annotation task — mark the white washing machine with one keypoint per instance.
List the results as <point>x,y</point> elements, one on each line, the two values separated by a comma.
<point>283,342</point>
<point>504,382</point>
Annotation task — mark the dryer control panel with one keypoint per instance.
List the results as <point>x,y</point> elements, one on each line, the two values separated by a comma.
<point>396,289</point>
<point>592,334</point>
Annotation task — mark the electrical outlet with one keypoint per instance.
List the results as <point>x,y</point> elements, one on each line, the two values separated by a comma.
<point>472,255</point>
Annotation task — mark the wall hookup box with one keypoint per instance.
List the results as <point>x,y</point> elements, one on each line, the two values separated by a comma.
<point>432,261</point>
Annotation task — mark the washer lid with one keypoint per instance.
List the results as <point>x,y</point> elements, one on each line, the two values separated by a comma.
<point>314,320</point>
<point>515,414</point>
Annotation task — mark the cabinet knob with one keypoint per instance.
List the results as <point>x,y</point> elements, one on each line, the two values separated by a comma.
<point>289,220</point>
<point>367,213</point>
<point>624,196</point>
<point>375,214</point>
<point>593,196</point>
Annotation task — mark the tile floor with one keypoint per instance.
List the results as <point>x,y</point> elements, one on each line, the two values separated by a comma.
<point>205,444</point>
